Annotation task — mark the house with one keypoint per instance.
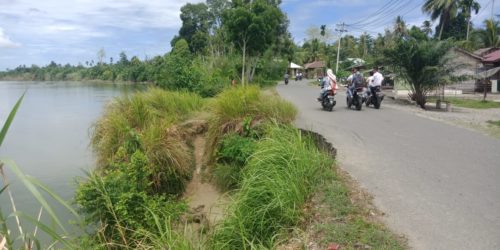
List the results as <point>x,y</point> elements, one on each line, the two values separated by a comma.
<point>466,65</point>
<point>491,64</point>
<point>293,69</point>
<point>315,69</point>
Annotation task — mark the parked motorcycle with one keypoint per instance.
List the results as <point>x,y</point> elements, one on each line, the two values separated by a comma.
<point>375,99</point>
<point>328,100</point>
<point>356,100</point>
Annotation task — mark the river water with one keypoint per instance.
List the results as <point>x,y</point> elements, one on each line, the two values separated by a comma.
<point>49,138</point>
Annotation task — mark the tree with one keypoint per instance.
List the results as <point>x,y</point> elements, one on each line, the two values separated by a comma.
<point>420,65</point>
<point>252,27</point>
<point>195,26</point>
<point>489,36</point>
<point>467,7</point>
<point>426,27</point>
<point>442,9</point>
<point>100,55</point>
<point>400,27</point>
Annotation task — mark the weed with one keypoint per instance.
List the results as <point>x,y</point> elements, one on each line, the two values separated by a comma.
<point>239,109</point>
<point>277,181</point>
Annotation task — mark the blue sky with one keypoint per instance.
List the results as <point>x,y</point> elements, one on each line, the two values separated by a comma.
<point>72,31</point>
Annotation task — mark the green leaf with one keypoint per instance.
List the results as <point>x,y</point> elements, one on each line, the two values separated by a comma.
<point>53,195</point>
<point>9,120</point>
<point>48,230</point>
<point>32,188</point>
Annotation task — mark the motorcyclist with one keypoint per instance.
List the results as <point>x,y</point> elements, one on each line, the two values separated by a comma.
<point>329,82</point>
<point>286,77</point>
<point>376,81</point>
<point>355,80</point>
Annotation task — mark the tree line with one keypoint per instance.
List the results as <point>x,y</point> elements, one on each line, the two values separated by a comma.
<point>219,41</point>
<point>248,41</point>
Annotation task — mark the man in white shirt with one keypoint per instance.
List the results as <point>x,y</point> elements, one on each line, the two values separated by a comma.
<point>377,78</point>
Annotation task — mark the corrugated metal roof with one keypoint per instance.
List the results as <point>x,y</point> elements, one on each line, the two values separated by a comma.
<point>492,57</point>
<point>315,65</point>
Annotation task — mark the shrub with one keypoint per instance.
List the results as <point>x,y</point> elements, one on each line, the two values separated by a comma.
<point>145,121</point>
<point>235,105</point>
<point>232,155</point>
<point>278,179</point>
<point>120,201</point>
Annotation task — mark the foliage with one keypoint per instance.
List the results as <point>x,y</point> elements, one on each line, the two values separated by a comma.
<point>420,64</point>
<point>145,121</point>
<point>232,155</point>
<point>351,226</point>
<point>230,109</point>
<point>252,27</point>
<point>278,179</point>
<point>120,202</point>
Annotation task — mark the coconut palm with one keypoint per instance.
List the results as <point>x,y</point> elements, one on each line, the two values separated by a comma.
<point>489,37</point>
<point>467,7</point>
<point>400,27</point>
<point>426,27</point>
<point>442,9</point>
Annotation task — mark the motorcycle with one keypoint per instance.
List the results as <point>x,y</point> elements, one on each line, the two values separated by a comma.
<point>356,99</point>
<point>375,99</point>
<point>328,100</point>
<point>286,81</point>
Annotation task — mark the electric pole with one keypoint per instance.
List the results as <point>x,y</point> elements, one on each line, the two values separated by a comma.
<point>492,8</point>
<point>340,30</point>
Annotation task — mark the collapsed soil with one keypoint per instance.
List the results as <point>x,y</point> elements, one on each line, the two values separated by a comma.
<point>203,198</point>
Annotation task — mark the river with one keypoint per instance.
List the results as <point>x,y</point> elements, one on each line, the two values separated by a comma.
<point>49,137</point>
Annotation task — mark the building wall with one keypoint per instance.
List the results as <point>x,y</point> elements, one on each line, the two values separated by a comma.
<point>463,65</point>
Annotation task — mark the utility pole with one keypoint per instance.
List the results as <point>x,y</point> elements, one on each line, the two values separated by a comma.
<point>492,8</point>
<point>340,30</point>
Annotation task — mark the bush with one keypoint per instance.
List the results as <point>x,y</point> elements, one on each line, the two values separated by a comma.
<point>231,157</point>
<point>278,179</point>
<point>233,107</point>
<point>120,202</point>
<point>145,121</point>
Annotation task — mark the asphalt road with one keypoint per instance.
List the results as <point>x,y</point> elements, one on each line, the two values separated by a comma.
<point>438,184</point>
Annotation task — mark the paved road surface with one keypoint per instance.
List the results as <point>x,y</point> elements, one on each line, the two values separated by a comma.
<point>438,184</point>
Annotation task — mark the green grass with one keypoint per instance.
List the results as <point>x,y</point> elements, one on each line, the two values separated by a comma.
<point>278,180</point>
<point>146,121</point>
<point>495,123</point>
<point>236,106</point>
<point>344,223</point>
<point>470,103</point>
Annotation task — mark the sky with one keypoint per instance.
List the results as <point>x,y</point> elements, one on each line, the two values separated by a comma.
<point>72,31</point>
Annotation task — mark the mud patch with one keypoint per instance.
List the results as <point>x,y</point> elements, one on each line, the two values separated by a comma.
<point>205,202</point>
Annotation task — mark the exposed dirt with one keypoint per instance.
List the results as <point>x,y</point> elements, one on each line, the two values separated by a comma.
<point>206,203</point>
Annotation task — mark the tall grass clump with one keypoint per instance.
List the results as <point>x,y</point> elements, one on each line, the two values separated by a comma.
<point>280,176</point>
<point>146,121</point>
<point>236,107</point>
<point>144,165</point>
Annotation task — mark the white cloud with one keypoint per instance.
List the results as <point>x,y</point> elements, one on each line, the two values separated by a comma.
<point>5,41</point>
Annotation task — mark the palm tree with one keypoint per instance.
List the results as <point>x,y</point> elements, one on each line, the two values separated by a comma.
<point>442,9</point>
<point>426,27</point>
<point>467,7</point>
<point>489,36</point>
<point>400,27</point>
